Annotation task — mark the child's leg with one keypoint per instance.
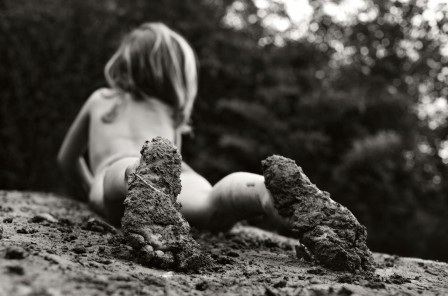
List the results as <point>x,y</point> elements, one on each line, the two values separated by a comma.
<point>110,187</point>
<point>239,196</point>
<point>194,196</point>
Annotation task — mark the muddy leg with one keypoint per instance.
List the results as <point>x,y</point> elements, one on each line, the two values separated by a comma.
<point>152,222</point>
<point>329,230</point>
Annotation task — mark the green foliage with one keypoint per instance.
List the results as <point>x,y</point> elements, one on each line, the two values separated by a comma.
<point>341,101</point>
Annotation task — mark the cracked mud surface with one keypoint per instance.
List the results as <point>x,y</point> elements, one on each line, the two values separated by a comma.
<point>329,230</point>
<point>68,250</point>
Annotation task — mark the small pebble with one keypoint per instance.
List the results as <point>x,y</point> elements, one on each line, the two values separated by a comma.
<point>270,291</point>
<point>233,254</point>
<point>45,217</point>
<point>344,291</point>
<point>202,286</point>
<point>316,271</point>
<point>8,220</point>
<point>26,230</point>
<point>15,253</point>
<point>79,249</point>
<point>280,284</point>
<point>15,269</point>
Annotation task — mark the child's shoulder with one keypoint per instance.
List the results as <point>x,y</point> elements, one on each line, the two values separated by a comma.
<point>100,99</point>
<point>101,96</point>
<point>103,93</point>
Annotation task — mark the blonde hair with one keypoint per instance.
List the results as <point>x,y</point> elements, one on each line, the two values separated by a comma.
<point>155,61</point>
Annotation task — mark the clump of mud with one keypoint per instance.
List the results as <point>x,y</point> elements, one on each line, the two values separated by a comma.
<point>152,223</point>
<point>329,230</point>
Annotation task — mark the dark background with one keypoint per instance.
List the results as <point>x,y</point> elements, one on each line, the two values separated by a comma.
<point>344,100</point>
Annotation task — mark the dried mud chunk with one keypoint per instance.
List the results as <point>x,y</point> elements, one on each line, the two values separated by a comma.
<point>152,223</point>
<point>328,230</point>
<point>398,279</point>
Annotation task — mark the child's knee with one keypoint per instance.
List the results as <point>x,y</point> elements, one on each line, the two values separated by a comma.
<point>194,183</point>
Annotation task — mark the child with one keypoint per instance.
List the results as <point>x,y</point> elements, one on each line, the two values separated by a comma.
<point>153,85</point>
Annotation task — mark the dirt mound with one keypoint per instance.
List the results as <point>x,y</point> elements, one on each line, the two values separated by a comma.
<point>71,251</point>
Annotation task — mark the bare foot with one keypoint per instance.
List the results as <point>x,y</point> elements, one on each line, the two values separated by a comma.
<point>152,222</point>
<point>329,230</point>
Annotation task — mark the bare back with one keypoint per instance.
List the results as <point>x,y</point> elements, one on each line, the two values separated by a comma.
<point>119,125</point>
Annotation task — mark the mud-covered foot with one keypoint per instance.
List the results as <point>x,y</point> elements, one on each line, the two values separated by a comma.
<point>330,231</point>
<point>152,223</point>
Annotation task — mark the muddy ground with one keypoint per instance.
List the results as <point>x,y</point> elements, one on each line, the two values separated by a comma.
<point>56,246</point>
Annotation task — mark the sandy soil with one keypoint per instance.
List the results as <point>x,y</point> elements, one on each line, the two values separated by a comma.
<point>52,245</point>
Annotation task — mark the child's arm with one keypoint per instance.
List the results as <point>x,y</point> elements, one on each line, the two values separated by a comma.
<point>75,142</point>
<point>85,174</point>
<point>178,139</point>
